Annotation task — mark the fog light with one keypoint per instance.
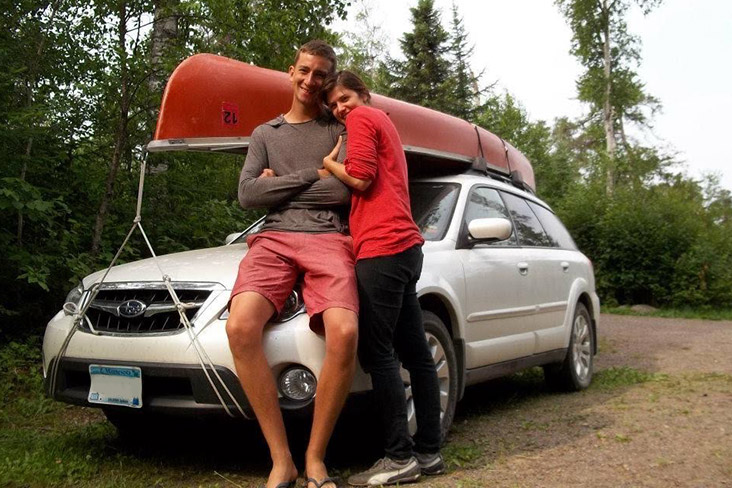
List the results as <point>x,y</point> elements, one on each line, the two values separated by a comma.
<point>298,384</point>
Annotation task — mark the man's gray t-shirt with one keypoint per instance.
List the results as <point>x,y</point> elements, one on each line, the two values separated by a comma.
<point>296,198</point>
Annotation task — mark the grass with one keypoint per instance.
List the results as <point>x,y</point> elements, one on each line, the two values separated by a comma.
<point>44,443</point>
<point>611,378</point>
<point>676,313</point>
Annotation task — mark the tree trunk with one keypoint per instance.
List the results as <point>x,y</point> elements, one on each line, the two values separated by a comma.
<point>120,135</point>
<point>165,29</point>
<point>23,172</point>
<point>607,109</point>
<point>31,86</point>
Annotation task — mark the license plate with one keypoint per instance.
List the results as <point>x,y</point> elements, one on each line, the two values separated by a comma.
<point>115,385</point>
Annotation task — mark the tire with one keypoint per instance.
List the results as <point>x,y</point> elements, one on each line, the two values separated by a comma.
<point>442,350</point>
<point>575,372</point>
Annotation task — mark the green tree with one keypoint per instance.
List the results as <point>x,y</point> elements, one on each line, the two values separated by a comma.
<point>265,32</point>
<point>424,74</point>
<point>610,55</point>
<point>464,85</point>
<point>80,85</point>
<point>360,50</point>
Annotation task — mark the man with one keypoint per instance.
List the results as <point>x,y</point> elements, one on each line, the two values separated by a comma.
<point>283,173</point>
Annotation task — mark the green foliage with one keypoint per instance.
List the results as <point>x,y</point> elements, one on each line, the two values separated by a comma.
<point>657,244</point>
<point>77,106</point>
<point>681,312</point>
<point>266,33</point>
<point>360,51</point>
<point>598,25</point>
<point>463,93</point>
<point>423,77</point>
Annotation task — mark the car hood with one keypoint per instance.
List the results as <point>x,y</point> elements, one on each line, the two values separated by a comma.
<point>211,265</point>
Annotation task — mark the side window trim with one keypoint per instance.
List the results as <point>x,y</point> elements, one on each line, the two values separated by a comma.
<point>518,236</point>
<point>552,235</point>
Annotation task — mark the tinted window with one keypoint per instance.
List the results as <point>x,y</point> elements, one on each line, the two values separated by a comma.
<point>554,228</point>
<point>432,207</point>
<point>529,229</point>
<point>486,203</point>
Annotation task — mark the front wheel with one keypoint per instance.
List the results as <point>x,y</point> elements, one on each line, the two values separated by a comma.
<point>575,372</point>
<point>441,347</point>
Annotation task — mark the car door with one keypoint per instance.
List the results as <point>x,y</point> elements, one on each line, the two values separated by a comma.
<point>565,264</point>
<point>544,267</point>
<point>500,313</point>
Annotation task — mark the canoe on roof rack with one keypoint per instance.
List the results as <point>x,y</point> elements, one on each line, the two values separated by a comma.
<point>213,103</point>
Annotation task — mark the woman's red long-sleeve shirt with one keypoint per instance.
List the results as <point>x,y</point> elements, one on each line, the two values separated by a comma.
<point>381,219</point>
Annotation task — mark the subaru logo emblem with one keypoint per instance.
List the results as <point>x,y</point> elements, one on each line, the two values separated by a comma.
<point>131,309</point>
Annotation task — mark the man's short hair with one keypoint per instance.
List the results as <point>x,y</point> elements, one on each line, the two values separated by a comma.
<point>316,47</point>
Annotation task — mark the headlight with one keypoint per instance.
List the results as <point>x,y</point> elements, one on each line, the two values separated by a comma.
<point>293,306</point>
<point>73,299</point>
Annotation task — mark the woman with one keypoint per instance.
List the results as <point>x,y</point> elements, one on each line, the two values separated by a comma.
<point>387,244</point>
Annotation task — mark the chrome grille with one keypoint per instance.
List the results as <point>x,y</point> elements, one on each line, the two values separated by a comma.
<point>137,310</point>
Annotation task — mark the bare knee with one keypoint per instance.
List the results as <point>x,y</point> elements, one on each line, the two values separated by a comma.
<point>341,337</point>
<point>243,333</point>
<point>249,313</point>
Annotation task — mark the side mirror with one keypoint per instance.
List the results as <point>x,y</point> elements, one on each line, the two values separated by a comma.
<point>231,237</point>
<point>494,229</point>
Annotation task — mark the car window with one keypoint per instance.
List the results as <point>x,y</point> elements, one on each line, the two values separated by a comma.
<point>485,203</point>
<point>554,228</point>
<point>529,229</point>
<point>432,207</point>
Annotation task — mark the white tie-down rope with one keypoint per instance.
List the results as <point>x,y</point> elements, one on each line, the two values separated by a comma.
<point>204,359</point>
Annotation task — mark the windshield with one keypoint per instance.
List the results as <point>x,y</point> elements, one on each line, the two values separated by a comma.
<point>432,207</point>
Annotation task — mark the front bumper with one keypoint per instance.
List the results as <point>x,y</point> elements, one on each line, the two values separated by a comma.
<point>179,389</point>
<point>173,381</point>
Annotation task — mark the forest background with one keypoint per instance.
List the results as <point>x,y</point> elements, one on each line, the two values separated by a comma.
<point>81,83</point>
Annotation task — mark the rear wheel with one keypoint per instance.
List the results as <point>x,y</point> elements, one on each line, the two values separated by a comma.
<point>575,372</point>
<point>443,354</point>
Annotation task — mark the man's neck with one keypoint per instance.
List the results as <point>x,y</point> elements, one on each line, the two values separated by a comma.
<point>302,113</point>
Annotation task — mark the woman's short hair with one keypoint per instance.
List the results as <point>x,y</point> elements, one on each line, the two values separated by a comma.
<point>346,79</point>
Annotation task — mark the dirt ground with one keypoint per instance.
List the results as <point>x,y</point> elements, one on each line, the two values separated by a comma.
<point>671,428</point>
<point>659,414</point>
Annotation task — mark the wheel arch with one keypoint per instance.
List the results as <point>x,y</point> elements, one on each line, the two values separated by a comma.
<point>585,300</point>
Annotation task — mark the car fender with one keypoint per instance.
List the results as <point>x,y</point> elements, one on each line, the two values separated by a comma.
<point>579,286</point>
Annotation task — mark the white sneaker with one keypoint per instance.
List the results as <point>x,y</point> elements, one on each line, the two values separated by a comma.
<point>388,471</point>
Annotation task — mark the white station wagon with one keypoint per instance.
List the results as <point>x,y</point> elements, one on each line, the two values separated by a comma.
<point>503,288</point>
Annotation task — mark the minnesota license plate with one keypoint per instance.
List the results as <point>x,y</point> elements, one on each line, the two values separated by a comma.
<point>115,385</point>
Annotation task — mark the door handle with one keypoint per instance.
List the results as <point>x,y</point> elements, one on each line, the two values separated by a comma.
<point>565,266</point>
<point>523,268</point>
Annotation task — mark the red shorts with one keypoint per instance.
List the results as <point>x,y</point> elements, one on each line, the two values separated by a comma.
<point>277,260</point>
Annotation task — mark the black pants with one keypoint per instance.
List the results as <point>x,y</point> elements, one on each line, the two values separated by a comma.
<point>390,330</point>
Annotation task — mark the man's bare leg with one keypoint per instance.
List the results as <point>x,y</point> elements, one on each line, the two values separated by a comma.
<point>249,313</point>
<point>341,339</point>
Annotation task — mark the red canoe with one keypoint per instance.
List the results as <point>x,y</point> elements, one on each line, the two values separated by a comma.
<point>212,103</point>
